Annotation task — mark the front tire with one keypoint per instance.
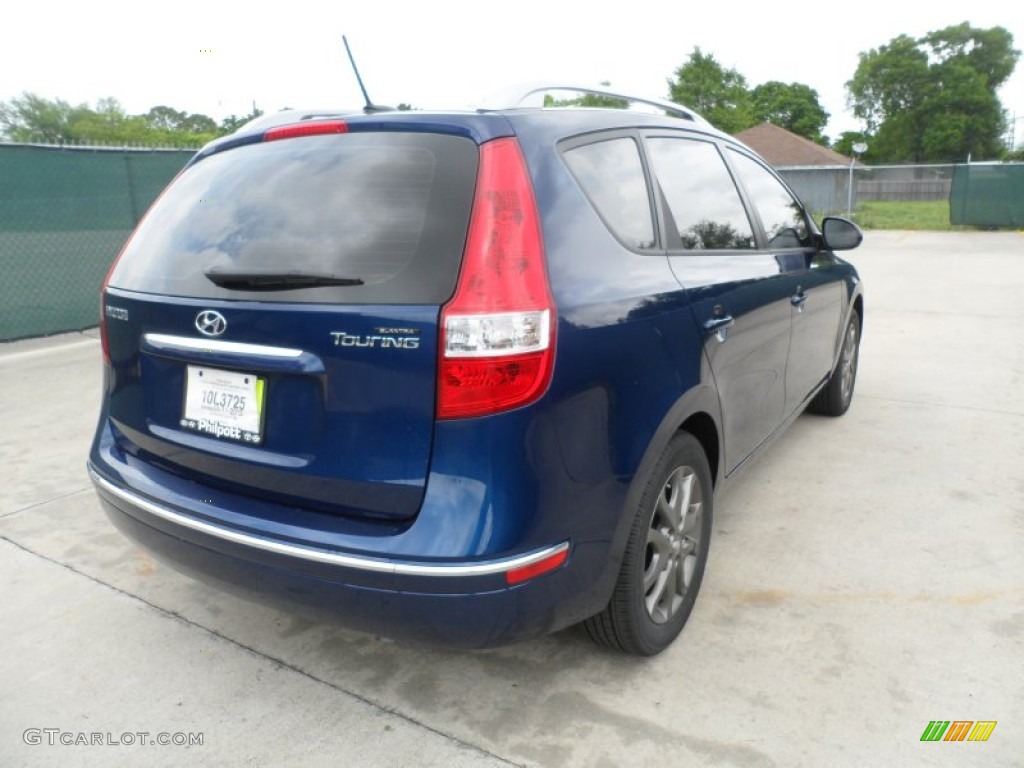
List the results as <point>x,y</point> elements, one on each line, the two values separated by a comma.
<point>835,397</point>
<point>665,555</point>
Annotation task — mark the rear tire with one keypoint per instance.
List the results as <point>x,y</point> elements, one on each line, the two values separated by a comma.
<point>835,397</point>
<point>665,555</point>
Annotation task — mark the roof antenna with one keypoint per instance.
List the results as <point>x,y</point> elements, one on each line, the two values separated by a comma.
<point>370,107</point>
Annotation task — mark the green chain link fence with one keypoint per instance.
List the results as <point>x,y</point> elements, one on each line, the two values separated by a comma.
<point>64,214</point>
<point>988,195</point>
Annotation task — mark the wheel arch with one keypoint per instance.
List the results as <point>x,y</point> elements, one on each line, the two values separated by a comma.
<point>613,626</point>
<point>697,412</point>
<point>703,427</point>
<point>855,304</point>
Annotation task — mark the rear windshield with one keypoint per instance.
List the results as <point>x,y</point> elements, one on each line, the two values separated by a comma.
<point>386,210</point>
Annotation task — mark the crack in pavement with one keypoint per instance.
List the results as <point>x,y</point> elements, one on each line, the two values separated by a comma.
<point>954,406</point>
<point>43,503</point>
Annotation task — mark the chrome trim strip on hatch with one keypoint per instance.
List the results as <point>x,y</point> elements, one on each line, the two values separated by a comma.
<point>357,562</point>
<point>164,341</point>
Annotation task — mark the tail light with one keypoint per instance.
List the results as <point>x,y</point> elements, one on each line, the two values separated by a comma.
<point>498,330</point>
<point>104,343</point>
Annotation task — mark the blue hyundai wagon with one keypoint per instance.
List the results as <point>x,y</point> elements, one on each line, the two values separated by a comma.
<point>465,377</point>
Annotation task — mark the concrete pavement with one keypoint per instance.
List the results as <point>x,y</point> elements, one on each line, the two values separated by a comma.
<point>865,578</point>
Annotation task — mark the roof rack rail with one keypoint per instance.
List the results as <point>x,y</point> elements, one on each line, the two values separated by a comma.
<point>520,96</point>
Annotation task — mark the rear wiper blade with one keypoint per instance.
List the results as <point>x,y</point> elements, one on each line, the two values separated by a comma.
<point>255,280</point>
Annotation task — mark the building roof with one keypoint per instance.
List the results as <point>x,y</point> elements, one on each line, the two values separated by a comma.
<point>783,148</point>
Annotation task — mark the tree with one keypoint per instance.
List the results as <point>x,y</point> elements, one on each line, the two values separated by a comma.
<point>934,99</point>
<point>232,123</point>
<point>32,118</point>
<point>794,107</point>
<point>844,145</point>
<point>107,124</point>
<point>989,52</point>
<point>164,118</point>
<point>719,94</point>
<point>167,119</point>
<point>964,117</point>
<point>588,100</point>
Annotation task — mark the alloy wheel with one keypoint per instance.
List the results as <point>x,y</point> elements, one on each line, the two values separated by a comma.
<point>673,544</point>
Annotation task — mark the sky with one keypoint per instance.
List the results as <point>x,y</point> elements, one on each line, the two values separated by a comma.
<point>218,57</point>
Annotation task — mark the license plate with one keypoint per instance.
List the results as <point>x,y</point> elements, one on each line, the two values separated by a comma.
<point>224,404</point>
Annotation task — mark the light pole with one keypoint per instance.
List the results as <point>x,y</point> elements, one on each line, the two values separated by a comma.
<point>1013,130</point>
<point>858,149</point>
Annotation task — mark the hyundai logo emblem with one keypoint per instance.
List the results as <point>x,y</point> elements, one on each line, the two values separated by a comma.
<point>210,323</point>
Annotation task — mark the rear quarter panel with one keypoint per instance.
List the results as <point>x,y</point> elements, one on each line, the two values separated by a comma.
<point>629,367</point>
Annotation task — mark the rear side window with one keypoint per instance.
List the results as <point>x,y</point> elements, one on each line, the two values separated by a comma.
<point>612,176</point>
<point>781,215</point>
<point>387,210</point>
<point>703,201</point>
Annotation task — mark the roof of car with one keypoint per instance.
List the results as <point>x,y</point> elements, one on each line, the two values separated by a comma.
<point>517,97</point>
<point>504,115</point>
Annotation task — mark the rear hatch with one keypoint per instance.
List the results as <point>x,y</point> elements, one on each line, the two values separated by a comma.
<point>272,325</point>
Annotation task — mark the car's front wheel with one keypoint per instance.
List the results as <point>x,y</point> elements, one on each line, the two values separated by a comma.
<point>834,399</point>
<point>665,555</point>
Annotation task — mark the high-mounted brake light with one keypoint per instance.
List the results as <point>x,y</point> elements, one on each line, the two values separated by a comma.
<point>311,128</point>
<point>497,332</point>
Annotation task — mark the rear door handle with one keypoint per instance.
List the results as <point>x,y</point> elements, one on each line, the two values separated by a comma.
<point>725,321</point>
<point>797,300</point>
<point>719,326</point>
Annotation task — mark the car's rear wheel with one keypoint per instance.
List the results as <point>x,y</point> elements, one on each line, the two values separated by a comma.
<point>665,555</point>
<point>834,399</point>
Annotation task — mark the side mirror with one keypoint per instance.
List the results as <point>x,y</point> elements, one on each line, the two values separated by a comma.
<point>840,234</point>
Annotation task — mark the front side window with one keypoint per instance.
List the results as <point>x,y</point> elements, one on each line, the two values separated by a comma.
<point>702,199</point>
<point>781,215</point>
<point>612,176</point>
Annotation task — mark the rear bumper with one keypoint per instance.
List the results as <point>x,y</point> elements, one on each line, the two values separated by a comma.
<point>459,604</point>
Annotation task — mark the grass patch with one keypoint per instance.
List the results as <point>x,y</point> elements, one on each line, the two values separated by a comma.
<point>930,215</point>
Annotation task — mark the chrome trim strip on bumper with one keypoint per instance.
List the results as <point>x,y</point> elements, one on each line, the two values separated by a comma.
<point>376,565</point>
<point>164,341</point>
